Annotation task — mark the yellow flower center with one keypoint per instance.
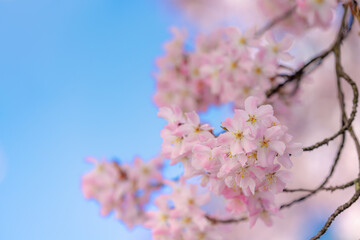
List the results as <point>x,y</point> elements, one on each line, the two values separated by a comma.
<point>201,236</point>
<point>145,170</point>
<point>264,143</point>
<point>177,140</point>
<point>246,90</point>
<point>243,172</point>
<point>253,155</point>
<point>234,65</point>
<point>197,129</point>
<point>242,41</point>
<point>196,72</point>
<point>238,135</point>
<point>100,168</point>
<point>275,48</point>
<point>252,119</point>
<point>270,178</point>
<point>164,217</point>
<point>187,220</point>
<point>258,70</point>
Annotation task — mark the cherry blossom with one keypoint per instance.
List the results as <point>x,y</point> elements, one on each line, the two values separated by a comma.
<point>250,162</point>
<point>122,188</point>
<point>185,218</point>
<point>317,11</point>
<point>220,64</point>
<point>242,162</point>
<point>308,13</point>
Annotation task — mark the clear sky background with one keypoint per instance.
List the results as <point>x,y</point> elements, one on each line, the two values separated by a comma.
<point>75,81</point>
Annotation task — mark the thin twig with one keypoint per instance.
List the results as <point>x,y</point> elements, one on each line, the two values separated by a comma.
<point>314,62</point>
<point>341,74</point>
<point>313,192</point>
<point>214,220</point>
<point>339,210</point>
<point>275,21</point>
<point>331,188</point>
<point>346,124</point>
<point>343,32</point>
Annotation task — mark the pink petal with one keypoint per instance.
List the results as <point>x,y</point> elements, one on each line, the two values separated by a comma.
<point>248,145</point>
<point>264,110</point>
<point>225,138</point>
<point>278,147</point>
<point>251,104</point>
<point>228,123</point>
<point>193,118</point>
<point>286,43</point>
<point>285,161</point>
<point>235,148</point>
<point>273,133</point>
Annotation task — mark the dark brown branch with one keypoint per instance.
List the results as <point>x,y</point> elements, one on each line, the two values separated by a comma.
<point>305,69</point>
<point>346,125</point>
<point>314,62</point>
<point>357,145</point>
<point>313,192</point>
<point>339,210</point>
<point>349,121</point>
<point>331,188</point>
<point>341,74</point>
<point>342,187</point>
<point>276,21</point>
<point>343,32</point>
<point>214,220</point>
<point>334,188</point>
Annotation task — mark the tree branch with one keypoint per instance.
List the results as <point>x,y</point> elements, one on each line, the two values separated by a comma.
<point>341,74</point>
<point>331,189</point>
<point>276,21</point>
<point>342,34</point>
<point>314,62</point>
<point>339,210</point>
<point>307,68</point>
<point>214,220</point>
<point>321,186</point>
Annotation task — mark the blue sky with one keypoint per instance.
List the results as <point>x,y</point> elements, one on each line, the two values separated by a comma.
<point>75,82</point>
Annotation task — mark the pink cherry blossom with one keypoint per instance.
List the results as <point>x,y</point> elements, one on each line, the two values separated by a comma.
<point>317,11</point>
<point>240,163</point>
<point>278,49</point>
<point>185,217</point>
<point>116,187</point>
<point>221,63</point>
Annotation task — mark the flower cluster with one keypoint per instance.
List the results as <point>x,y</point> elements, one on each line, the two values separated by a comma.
<point>179,215</point>
<point>123,188</point>
<point>307,13</point>
<point>243,164</point>
<point>227,65</point>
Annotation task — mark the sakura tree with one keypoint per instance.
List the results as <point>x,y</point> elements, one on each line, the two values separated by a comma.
<point>249,165</point>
